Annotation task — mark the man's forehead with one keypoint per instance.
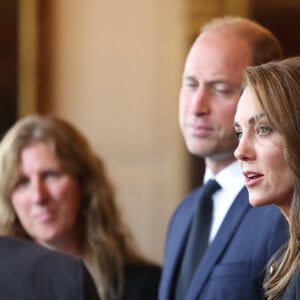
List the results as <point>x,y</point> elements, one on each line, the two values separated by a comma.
<point>212,61</point>
<point>223,41</point>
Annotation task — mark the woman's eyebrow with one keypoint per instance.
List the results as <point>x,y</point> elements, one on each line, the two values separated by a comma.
<point>257,118</point>
<point>252,120</point>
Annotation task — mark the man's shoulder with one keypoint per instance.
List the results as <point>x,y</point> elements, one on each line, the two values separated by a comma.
<point>189,202</point>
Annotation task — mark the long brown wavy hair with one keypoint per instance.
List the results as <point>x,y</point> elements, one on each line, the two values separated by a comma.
<point>277,88</point>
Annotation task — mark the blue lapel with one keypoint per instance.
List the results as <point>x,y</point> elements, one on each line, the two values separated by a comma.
<point>223,237</point>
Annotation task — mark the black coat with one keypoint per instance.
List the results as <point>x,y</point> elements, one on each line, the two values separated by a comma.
<point>141,282</point>
<point>31,272</point>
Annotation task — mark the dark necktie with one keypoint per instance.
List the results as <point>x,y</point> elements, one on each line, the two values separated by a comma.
<point>197,239</point>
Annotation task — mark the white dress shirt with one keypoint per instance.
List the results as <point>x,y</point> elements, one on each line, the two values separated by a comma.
<point>232,181</point>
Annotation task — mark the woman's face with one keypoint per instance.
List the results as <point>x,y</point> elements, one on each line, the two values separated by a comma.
<point>269,179</point>
<point>46,199</point>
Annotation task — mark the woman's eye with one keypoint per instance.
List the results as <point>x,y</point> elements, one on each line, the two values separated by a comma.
<point>264,130</point>
<point>51,174</point>
<point>22,181</point>
<point>238,134</point>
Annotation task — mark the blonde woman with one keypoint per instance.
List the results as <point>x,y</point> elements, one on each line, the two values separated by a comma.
<point>54,190</point>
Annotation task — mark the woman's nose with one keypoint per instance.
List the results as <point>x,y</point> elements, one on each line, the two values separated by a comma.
<point>245,150</point>
<point>39,193</point>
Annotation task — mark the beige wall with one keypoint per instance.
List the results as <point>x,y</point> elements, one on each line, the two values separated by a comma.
<point>115,72</point>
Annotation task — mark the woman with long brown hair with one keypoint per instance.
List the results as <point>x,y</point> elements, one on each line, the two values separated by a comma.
<point>267,124</point>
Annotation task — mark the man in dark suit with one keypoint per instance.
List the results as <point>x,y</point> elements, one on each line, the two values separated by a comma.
<point>241,238</point>
<point>31,272</point>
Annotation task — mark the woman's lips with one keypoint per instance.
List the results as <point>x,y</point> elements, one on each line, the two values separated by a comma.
<point>44,216</point>
<point>252,178</point>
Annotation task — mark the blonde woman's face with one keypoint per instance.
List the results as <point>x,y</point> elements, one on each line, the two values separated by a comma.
<point>46,199</point>
<point>268,177</point>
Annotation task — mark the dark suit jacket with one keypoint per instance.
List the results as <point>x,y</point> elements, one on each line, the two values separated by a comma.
<point>32,272</point>
<point>232,267</point>
<point>141,282</point>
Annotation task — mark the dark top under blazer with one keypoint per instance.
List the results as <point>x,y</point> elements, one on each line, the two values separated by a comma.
<point>292,291</point>
<point>31,272</point>
<point>141,282</point>
<point>232,268</point>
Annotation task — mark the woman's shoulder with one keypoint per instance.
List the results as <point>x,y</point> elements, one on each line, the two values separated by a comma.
<point>292,292</point>
<point>141,281</point>
<point>144,269</point>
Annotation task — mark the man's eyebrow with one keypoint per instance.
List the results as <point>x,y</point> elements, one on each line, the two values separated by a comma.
<point>188,77</point>
<point>210,81</point>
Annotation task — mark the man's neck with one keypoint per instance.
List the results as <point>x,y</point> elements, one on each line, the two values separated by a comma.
<point>216,166</point>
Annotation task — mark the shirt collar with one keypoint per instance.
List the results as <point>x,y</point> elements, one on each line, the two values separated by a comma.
<point>230,177</point>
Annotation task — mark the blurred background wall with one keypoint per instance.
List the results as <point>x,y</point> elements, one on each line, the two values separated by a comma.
<point>113,68</point>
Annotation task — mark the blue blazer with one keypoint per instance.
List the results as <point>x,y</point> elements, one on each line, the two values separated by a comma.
<point>232,267</point>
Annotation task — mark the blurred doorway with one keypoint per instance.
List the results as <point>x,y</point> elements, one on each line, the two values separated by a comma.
<point>8,63</point>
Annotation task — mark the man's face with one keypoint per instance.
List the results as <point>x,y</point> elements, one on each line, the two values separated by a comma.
<point>209,94</point>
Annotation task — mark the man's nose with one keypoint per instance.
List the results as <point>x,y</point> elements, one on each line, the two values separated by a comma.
<point>200,102</point>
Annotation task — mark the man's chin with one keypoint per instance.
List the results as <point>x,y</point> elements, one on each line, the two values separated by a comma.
<point>198,151</point>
